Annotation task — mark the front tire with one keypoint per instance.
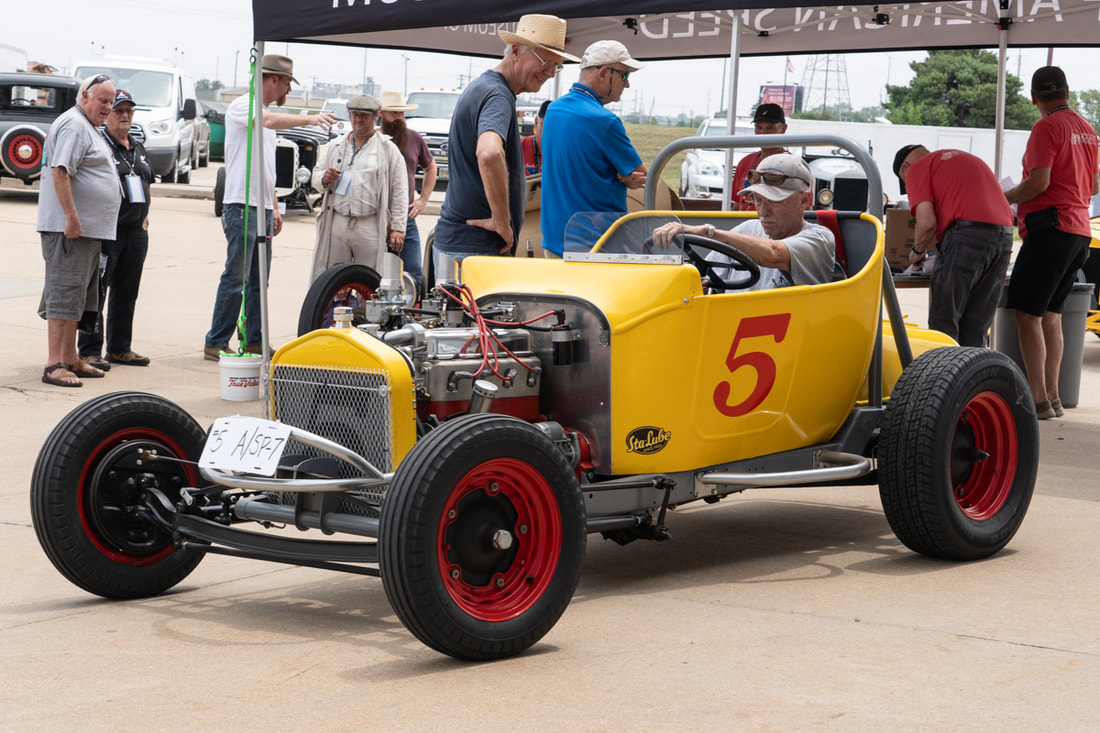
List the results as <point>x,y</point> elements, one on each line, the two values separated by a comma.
<point>958,453</point>
<point>340,285</point>
<point>482,537</point>
<point>87,493</point>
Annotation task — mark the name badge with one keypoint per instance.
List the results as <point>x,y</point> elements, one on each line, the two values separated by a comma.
<point>343,183</point>
<point>135,192</point>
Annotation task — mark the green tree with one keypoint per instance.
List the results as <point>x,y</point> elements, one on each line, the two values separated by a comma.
<point>208,85</point>
<point>958,88</point>
<point>1087,104</point>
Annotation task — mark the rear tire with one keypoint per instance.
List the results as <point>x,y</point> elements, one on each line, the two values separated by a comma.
<point>340,285</point>
<point>87,493</point>
<point>219,192</point>
<point>482,537</point>
<point>958,453</point>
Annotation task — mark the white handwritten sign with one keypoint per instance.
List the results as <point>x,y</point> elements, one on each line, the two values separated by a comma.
<point>246,444</point>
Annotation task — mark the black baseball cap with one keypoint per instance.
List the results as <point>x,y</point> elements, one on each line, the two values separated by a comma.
<point>1049,79</point>
<point>121,95</point>
<point>902,154</point>
<point>769,113</point>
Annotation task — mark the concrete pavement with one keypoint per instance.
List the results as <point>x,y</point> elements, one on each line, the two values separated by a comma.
<point>776,610</point>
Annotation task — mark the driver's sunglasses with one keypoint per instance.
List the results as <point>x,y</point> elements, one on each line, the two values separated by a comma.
<point>557,67</point>
<point>624,74</point>
<point>771,178</point>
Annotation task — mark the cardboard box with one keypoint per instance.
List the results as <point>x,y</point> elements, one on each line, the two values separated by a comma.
<point>900,228</point>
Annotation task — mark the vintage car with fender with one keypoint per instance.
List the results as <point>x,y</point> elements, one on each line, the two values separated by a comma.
<point>463,447</point>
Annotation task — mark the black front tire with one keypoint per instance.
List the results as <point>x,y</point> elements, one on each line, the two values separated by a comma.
<point>482,537</point>
<point>87,493</point>
<point>340,285</point>
<point>958,453</point>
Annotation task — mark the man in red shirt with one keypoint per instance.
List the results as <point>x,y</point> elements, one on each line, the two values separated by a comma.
<point>767,120</point>
<point>1060,177</point>
<point>960,208</point>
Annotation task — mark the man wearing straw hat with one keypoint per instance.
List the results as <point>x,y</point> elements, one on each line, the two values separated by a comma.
<point>416,154</point>
<point>483,210</point>
<point>278,73</point>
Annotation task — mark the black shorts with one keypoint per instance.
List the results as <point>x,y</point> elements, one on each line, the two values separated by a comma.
<point>1045,270</point>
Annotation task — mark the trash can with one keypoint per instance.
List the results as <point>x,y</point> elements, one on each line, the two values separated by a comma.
<point>1007,341</point>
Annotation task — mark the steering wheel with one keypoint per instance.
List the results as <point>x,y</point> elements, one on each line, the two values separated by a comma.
<point>739,261</point>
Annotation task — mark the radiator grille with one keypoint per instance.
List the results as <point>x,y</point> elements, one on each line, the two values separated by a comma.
<point>349,406</point>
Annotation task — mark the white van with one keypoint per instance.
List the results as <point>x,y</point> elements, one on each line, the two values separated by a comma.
<point>164,113</point>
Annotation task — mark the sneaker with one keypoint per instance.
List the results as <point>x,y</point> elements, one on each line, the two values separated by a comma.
<point>212,353</point>
<point>259,349</point>
<point>1044,411</point>
<point>128,357</point>
<point>1056,405</point>
<point>97,361</point>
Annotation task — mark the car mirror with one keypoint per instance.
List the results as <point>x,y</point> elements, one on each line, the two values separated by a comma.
<point>189,109</point>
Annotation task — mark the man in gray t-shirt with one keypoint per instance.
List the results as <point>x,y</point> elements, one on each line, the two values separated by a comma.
<point>78,203</point>
<point>789,250</point>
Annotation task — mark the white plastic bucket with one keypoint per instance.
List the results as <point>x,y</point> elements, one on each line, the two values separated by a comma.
<point>240,375</point>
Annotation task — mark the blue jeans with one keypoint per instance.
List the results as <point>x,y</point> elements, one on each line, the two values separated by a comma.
<point>410,253</point>
<point>227,303</point>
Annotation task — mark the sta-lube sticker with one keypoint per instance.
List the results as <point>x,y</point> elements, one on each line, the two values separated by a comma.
<point>646,440</point>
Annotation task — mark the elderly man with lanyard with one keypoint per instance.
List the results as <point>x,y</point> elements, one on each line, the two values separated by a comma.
<point>126,252</point>
<point>588,161</point>
<point>77,210</point>
<point>366,203</point>
<point>789,249</point>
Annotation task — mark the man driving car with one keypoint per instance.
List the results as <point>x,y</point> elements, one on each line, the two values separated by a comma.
<point>788,249</point>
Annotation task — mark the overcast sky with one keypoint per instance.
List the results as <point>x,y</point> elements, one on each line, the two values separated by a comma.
<point>211,38</point>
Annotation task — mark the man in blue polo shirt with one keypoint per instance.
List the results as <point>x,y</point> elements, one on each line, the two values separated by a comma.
<point>588,162</point>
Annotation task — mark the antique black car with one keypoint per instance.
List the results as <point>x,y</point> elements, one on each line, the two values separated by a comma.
<point>29,103</point>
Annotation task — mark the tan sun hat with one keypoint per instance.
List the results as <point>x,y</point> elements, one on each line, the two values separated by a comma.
<point>273,63</point>
<point>395,102</point>
<point>540,31</point>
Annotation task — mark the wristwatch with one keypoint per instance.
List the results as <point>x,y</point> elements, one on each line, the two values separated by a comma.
<point>710,230</point>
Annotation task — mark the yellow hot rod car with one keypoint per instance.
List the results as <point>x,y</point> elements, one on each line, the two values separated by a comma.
<point>464,448</point>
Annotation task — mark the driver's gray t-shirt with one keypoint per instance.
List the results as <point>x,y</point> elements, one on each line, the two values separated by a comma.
<point>75,145</point>
<point>813,257</point>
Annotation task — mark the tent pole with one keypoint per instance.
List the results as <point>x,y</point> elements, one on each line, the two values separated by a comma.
<point>1002,78</point>
<point>731,108</point>
<point>261,197</point>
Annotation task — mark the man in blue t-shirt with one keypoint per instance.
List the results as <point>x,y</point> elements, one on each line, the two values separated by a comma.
<point>486,194</point>
<point>588,162</point>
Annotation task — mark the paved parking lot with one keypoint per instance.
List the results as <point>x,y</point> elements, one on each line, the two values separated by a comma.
<point>776,610</point>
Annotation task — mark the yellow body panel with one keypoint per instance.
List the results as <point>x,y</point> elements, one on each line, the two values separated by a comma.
<point>351,349</point>
<point>714,378</point>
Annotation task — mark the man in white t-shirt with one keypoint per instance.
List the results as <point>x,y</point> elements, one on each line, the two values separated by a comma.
<point>788,249</point>
<point>278,73</point>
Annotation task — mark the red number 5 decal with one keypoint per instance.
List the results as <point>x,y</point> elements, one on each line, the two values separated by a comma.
<point>775,326</point>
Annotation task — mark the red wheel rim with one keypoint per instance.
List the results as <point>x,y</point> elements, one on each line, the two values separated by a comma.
<point>84,501</point>
<point>984,456</point>
<point>352,295</point>
<point>25,164</point>
<point>486,582</point>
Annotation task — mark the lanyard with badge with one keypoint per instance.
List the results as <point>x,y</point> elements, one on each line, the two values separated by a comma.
<point>343,183</point>
<point>131,182</point>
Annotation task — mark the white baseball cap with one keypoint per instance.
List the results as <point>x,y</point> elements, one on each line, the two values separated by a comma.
<point>607,53</point>
<point>794,175</point>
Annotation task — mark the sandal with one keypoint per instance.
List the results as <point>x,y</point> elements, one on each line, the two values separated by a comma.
<point>83,369</point>
<point>59,380</point>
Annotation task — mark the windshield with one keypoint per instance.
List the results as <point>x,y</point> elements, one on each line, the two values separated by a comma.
<point>433,104</point>
<point>148,88</point>
<point>629,238</point>
<point>338,108</point>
